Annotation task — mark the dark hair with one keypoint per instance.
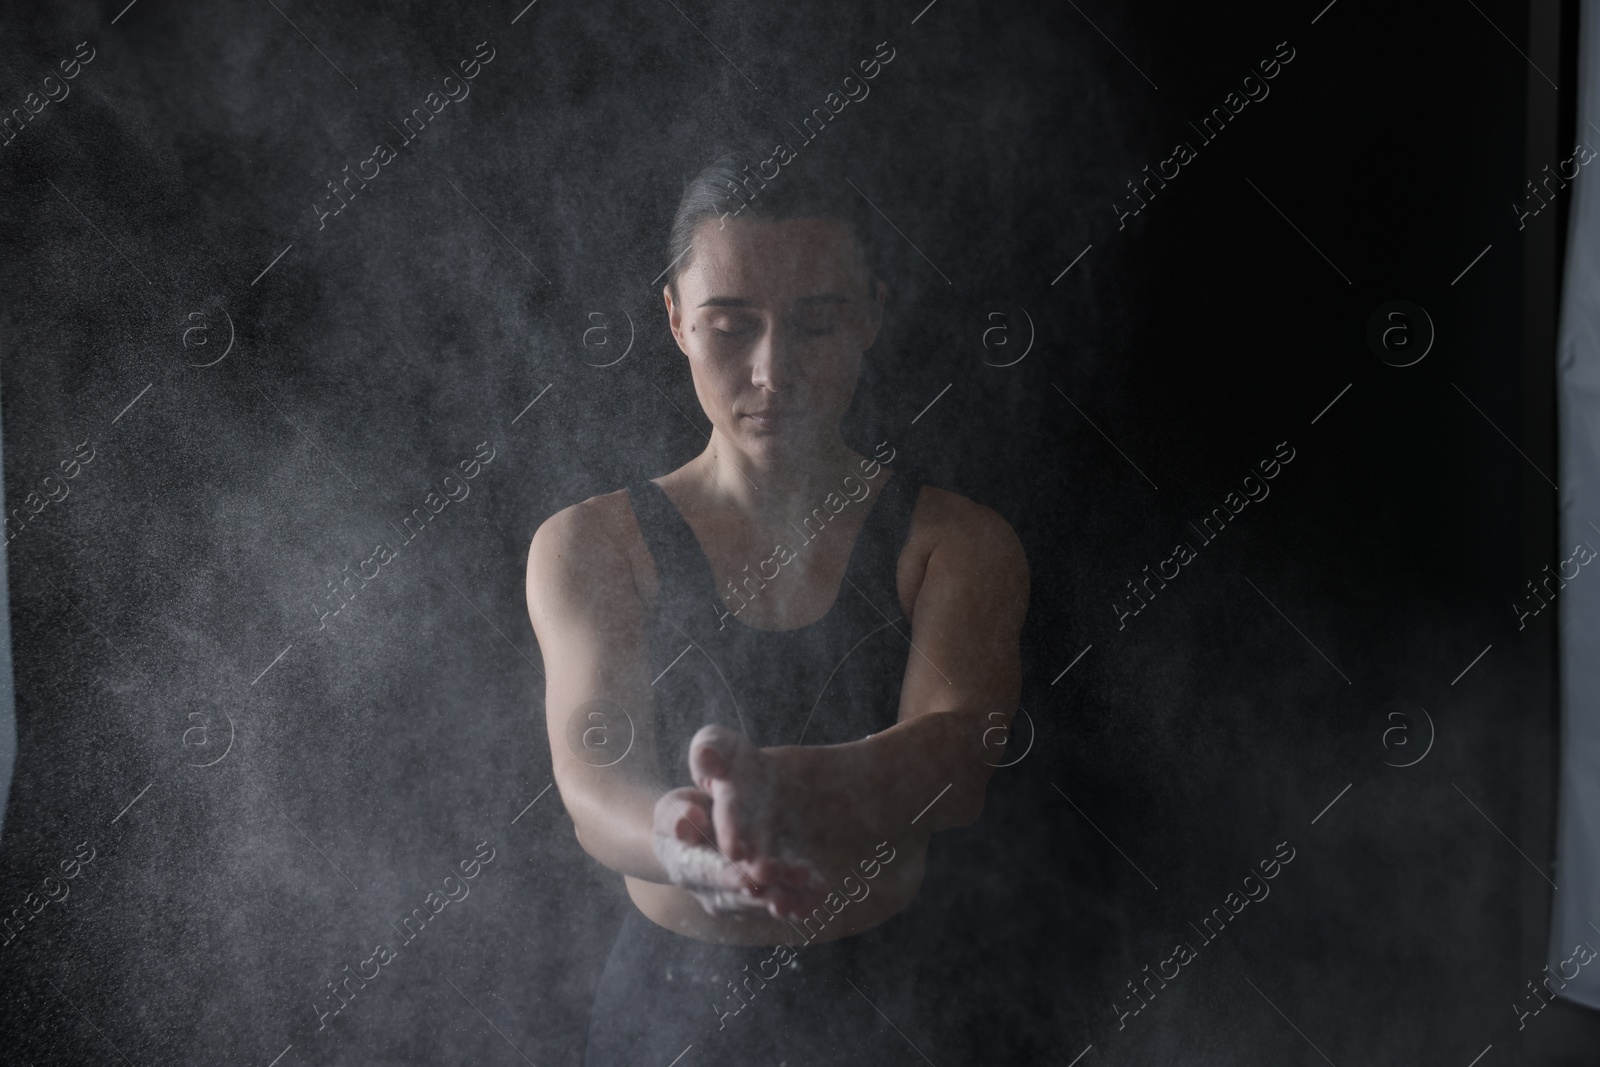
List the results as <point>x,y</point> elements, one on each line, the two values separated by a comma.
<point>727,189</point>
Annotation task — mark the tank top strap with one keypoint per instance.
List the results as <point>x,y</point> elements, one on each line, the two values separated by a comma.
<point>873,565</point>
<point>680,562</point>
<point>685,574</point>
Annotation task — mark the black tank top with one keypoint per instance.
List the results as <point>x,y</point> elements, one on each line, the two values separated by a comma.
<point>835,680</point>
<point>831,681</point>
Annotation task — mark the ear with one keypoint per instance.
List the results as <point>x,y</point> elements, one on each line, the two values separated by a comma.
<point>674,317</point>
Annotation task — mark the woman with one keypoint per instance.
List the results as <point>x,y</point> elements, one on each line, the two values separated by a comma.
<point>741,722</point>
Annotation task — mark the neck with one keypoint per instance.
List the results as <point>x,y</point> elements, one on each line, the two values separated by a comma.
<point>795,483</point>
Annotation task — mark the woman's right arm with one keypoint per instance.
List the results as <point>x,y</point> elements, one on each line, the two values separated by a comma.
<point>592,633</point>
<point>592,628</point>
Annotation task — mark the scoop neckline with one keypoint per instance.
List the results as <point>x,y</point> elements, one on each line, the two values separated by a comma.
<point>838,596</point>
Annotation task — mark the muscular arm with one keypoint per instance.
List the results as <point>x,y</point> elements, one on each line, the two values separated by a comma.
<point>590,624</point>
<point>824,808</point>
<point>962,681</point>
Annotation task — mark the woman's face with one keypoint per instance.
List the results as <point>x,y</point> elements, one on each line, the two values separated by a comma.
<point>774,317</point>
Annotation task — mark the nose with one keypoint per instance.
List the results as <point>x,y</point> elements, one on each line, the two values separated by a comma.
<point>769,360</point>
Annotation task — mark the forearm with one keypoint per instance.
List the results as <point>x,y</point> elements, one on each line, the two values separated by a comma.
<point>836,804</point>
<point>924,774</point>
<point>613,818</point>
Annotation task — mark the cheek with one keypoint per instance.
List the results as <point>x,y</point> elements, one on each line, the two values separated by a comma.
<point>718,376</point>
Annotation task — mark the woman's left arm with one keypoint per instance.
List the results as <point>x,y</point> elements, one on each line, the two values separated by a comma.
<point>833,803</point>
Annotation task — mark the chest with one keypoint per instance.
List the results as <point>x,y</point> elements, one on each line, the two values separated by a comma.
<point>789,578</point>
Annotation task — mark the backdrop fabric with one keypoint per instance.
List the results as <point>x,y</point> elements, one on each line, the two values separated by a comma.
<point>1575,917</point>
<point>8,693</point>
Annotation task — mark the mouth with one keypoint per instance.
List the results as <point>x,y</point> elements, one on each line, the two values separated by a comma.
<point>765,420</point>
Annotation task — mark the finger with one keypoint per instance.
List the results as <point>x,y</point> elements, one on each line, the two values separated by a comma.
<point>718,902</point>
<point>688,831</point>
<point>683,840</point>
<point>733,895</point>
<point>764,870</point>
<point>726,902</point>
<point>789,911</point>
<point>790,887</point>
<point>712,763</point>
<point>674,805</point>
<point>727,764</point>
<point>713,754</point>
<point>805,884</point>
<point>790,904</point>
<point>695,825</point>
<point>775,899</point>
<point>782,900</point>
<point>707,868</point>
<point>730,816</point>
<point>788,868</point>
<point>768,868</point>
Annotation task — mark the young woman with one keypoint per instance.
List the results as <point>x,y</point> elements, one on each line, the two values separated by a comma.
<point>773,672</point>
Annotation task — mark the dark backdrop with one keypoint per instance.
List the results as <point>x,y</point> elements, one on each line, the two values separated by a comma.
<point>267,789</point>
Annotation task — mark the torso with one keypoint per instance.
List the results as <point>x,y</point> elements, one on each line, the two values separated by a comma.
<point>764,664</point>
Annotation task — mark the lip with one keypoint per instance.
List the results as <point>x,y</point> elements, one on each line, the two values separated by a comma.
<point>766,420</point>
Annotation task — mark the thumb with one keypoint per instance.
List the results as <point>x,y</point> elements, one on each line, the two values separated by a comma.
<point>712,754</point>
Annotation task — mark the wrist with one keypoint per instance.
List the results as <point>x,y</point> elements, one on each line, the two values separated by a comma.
<point>826,796</point>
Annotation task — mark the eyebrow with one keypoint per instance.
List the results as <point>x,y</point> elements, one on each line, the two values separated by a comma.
<point>805,301</point>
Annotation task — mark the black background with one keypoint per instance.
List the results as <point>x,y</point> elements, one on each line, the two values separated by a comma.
<point>380,350</point>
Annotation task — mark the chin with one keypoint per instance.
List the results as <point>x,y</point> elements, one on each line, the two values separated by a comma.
<point>766,446</point>
<point>787,441</point>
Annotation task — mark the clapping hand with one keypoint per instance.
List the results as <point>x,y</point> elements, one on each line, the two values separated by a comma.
<point>722,838</point>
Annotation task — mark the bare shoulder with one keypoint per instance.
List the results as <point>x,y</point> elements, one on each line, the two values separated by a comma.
<point>593,545</point>
<point>953,537</point>
<point>965,530</point>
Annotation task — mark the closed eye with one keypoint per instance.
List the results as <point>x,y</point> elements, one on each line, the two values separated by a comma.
<point>814,325</point>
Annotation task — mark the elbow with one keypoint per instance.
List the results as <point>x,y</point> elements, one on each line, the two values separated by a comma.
<point>601,843</point>
<point>589,843</point>
<point>965,808</point>
<point>596,850</point>
<point>593,845</point>
<point>971,790</point>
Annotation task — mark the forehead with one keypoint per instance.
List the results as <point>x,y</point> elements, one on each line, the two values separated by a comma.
<point>759,259</point>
